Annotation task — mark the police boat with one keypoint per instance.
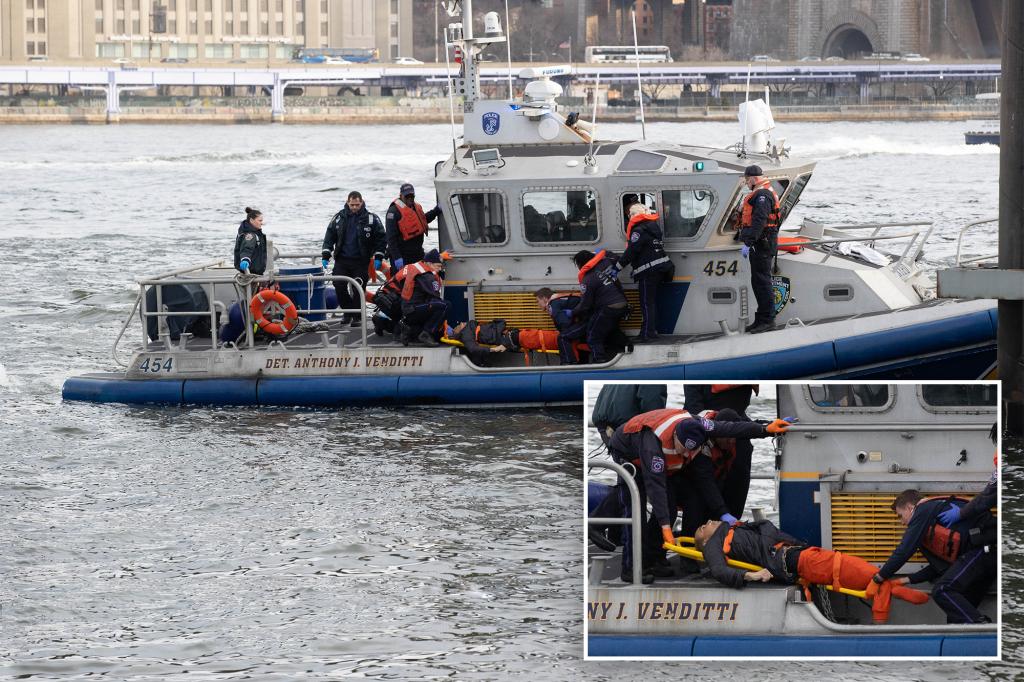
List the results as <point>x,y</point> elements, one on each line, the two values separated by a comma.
<point>524,189</point>
<point>836,474</point>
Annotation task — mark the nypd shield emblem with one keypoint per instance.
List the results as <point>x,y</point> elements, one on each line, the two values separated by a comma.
<point>491,122</point>
<point>780,293</point>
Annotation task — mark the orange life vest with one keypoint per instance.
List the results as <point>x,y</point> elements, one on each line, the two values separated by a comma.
<point>413,222</point>
<point>663,424</point>
<point>640,217</point>
<point>409,273</point>
<point>941,541</point>
<point>590,265</point>
<point>774,216</point>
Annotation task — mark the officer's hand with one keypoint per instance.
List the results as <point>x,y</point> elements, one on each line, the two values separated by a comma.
<point>325,262</point>
<point>777,426</point>
<point>666,535</point>
<point>762,576</point>
<point>498,349</point>
<point>745,251</point>
<point>950,516</point>
<point>244,265</point>
<point>728,518</point>
<point>397,264</point>
<point>377,263</point>
<point>612,271</point>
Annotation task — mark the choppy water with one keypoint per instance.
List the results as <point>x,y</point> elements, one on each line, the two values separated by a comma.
<point>200,543</point>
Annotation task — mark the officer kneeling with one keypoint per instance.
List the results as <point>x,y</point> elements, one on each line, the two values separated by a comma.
<point>423,309</point>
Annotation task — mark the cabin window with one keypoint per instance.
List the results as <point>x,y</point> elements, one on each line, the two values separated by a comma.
<point>959,397</point>
<point>480,217</point>
<point>788,201</point>
<point>560,216</point>
<point>846,397</point>
<point>683,211</point>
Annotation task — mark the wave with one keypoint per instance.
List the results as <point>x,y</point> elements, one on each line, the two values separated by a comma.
<point>6,382</point>
<point>871,145</point>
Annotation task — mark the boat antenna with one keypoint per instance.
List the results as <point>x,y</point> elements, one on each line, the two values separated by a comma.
<point>746,92</point>
<point>508,48</point>
<point>589,161</point>
<point>451,105</point>
<point>639,89</point>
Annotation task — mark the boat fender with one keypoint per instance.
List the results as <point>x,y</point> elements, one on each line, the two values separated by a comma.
<point>259,304</point>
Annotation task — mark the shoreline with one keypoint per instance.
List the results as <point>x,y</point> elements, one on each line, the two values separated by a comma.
<point>358,115</point>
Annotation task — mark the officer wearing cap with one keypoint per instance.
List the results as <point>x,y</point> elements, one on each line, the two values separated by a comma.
<point>406,226</point>
<point>659,445</point>
<point>759,232</point>
<point>423,309</point>
<point>355,238</point>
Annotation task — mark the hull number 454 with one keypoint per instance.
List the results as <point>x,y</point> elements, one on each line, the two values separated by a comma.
<point>720,268</point>
<point>156,365</point>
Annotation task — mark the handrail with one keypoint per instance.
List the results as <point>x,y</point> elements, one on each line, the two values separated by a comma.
<point>959,242</point>
<point>634,521</point>
<point>124,328</point>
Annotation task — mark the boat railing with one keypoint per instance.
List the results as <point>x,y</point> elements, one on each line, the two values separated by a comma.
<point>245,286</point>
<point>634,520</point>
<point>819,234</point>
<point>960,260</point>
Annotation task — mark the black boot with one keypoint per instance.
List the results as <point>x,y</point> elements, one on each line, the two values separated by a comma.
<point>427,340</point>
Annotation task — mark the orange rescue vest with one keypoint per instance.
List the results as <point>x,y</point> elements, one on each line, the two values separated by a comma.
<point>409,273</point>
<point>638,219</point>
<point>663,424</point>
<point>774,216</point>
<point>413,222</point>
<point>941,541</point>
<point>590,265</point>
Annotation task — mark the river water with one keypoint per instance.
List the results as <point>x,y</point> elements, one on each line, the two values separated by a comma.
<point>146,543</point>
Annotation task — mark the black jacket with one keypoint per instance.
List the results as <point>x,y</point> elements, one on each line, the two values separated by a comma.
<point>645,251</point>
<point>371,234</point>
<point>252,244</point>
<point>558,307</point>
<point>983,501</point>
<point>645,446</point>
<point>752,543</point>
<point>618,403</point>
<point>493,333</point>
<point>699,398</point>
<point>409,250</point>
<point>598,290</point>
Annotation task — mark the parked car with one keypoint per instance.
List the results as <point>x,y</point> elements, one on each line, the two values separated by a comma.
<point>835,58</point>
<point>810,59</point>
<point>174,60</point>
<point>407,61</point>
<point>914,57</point>
<point>335,60</point>
<point>763,58</point>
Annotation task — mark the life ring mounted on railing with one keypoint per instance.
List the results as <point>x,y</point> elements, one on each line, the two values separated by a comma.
<point>269,303</point>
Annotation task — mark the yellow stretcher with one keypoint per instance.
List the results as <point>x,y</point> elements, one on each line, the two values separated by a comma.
<point>692,553</point>
<point>459,344</point>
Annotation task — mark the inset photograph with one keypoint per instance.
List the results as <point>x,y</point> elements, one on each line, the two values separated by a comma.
<point>792,520</point>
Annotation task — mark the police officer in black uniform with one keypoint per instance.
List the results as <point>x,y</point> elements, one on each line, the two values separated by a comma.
<point>354,237</point>
<point>645,251</point>
<point>560,306</point>
<point>602,304</point>
<point>423,308</point>
<point>406,226</point>
<point>250,244</point>
<point>759,232</point>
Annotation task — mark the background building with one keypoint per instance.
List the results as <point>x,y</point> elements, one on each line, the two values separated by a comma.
<point>76,30</point>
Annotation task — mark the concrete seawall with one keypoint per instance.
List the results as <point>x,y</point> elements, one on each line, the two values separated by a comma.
<point>397,115</point>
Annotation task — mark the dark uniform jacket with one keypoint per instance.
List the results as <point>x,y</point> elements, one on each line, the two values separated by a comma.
<point>493,333</point>
<point>645,446</point>
<point>698,397</point>
<point>983,501</point>
<point>409,250</point>
<point>763,201</point>
<point>426,287</point>
<point>558,307</point>
<point>599,290</point>
<point>645,251</point>
<point>618,403</point>
<point>924,517</point>
<point>368,227</point>
<point>752,543</point>
<point>252,244</point>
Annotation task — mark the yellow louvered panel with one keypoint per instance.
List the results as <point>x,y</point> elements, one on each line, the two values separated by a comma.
<point>864,524</point>
<point>519,309</point>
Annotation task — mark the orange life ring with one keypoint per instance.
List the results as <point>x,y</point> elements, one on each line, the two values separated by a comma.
<point>258,305</point>
<point>792,244</point>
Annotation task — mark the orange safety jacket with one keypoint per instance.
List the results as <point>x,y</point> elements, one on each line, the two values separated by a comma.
<point>409,273</point>
<point>637,219</point>
<point>941,541</point>
<point>774,215</point>
<point>413,222</point>
<point>598,257</point>
<point>663,424</point>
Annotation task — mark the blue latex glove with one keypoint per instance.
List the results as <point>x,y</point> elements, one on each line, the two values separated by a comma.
<point>791,420</point>
<point>398,264</point>
<point>568,315</point>
<point>613,271</point>
<point>728,518</point>
<point>377,262</point>
<point>326,262</point>
<point>244,265</point>
<point>950,516</point>
<point>745,251</point>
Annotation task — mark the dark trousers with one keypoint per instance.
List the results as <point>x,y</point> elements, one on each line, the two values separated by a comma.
<point>962,587</point>
<point>648,290</point>
<point>348,297</point>
<point>650,530</point>
<point>575,332</point>
<point>691,501</point>
<point>601,325</point>
<point>761,259</point>
<point>737,482</point>
<point>427,316</point>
